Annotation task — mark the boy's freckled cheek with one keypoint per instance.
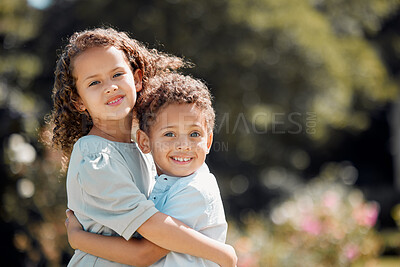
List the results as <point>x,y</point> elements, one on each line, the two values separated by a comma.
<point>162,146</point>
<point>201,144</point>
<point>197,145</point>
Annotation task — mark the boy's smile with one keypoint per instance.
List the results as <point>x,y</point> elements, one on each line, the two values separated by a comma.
<point>179,141</point>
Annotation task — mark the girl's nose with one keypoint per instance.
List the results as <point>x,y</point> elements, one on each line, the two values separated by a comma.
<point>111,89</point>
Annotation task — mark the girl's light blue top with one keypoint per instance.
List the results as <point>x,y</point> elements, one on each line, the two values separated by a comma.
<point>107,187</point>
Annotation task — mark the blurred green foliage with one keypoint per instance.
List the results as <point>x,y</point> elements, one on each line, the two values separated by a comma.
<point>289,78</point>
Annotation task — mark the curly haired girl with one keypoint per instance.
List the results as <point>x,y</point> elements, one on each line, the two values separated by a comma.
<point>97,79</point>
<point>71,123</point>
<point>176,121</point>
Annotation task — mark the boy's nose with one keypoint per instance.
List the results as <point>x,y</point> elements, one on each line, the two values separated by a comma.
<point>183,145</point>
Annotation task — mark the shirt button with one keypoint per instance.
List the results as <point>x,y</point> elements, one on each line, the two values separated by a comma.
<point>154,197</point>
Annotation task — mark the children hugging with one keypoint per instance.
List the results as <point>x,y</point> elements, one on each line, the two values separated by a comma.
<point>158,186</point>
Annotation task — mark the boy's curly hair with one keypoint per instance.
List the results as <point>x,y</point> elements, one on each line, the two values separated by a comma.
<point>173,88</point>
<point>68,123</point>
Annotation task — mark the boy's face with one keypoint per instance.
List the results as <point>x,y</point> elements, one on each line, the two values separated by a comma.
<point>178,141</point>
<point>105,83</point>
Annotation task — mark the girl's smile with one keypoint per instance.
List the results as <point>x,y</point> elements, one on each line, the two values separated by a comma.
<point>116,100</point>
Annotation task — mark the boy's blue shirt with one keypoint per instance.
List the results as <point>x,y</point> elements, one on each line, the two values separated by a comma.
<point>194,200</point>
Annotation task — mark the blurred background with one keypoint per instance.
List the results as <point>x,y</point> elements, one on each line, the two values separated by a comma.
<point>307,140</point>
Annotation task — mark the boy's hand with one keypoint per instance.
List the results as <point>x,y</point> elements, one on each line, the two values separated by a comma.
<point>73,227</point>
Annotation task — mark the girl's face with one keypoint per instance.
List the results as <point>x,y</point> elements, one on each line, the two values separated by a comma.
<point>105,83</point>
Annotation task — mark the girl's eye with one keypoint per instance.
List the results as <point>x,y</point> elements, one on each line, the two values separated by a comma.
<point>94,83</point>
<point>117,74</point>
<point>169,134</point>
<point>195,134</point>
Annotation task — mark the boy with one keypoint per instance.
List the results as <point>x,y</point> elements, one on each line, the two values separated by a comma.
<point>176,120</point>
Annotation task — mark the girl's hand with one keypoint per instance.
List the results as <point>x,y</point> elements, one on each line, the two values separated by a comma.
<point>73,228</point>
<point>231,257</point>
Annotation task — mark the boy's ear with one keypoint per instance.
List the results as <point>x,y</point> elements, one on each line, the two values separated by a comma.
<point>143,141</point>
<point>209,141</point>
<point>137,76</point>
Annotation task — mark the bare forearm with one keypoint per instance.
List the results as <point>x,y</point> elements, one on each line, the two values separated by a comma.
<point>113,248</point>
<point>173,235</point>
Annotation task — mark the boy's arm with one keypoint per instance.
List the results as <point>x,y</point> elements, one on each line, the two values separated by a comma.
<point>133,252</point>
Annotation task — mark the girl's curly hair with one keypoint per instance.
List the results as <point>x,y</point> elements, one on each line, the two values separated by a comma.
<point>173,88</point>
<point>68,123</point>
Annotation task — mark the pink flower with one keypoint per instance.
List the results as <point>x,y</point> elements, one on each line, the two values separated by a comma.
<point>366,214</point>
<point>351,251</point>
<point>247,261</point>
<point>244,249</point>
<point>311,226</point>
<point>330,200</point>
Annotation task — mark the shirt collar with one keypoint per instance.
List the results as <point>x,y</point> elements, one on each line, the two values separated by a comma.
<point>203,168</point>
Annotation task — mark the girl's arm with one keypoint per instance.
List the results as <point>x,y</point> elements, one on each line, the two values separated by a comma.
<point>137,252</point>
<point>161,229</point>
<point>171,233</point>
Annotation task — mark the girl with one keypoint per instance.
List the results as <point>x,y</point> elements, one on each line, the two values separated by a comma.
<point>176,122</point>
<point>108,181</point>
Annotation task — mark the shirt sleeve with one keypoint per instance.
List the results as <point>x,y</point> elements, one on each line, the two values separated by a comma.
<point>110,195</point>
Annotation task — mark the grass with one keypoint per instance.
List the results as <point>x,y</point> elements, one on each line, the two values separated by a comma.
<point>386,261</point>
<point>389,261</point>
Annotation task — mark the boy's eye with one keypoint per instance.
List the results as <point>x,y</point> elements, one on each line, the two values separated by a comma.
<point>169,134</point>
<point>195,134</point>
<point>94,83</point>
<point>117,74</point>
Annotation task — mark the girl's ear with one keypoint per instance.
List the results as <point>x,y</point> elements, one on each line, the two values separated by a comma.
<point>209,141</point>
<point>79,105</point>
<point>143,141</point>
<point>138,76</point>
